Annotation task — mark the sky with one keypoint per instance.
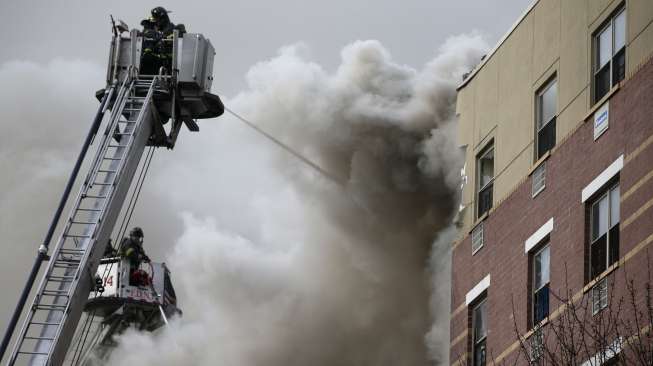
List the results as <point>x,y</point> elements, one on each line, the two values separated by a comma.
<point>227,185</point>
<point>245,32</point>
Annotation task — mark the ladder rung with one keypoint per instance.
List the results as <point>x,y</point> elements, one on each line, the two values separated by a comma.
<point>54,292</point>
<point>89,209</point>
<point>58,280</point>
<point>120,134</point>
<point>107,171</point>
<point>32,353</point>
<point>77,236</point>
<point>44,323</point>
<point>118,145</point>
<point>65,265</point>
<point>52,307</point>
<point>40,338</point>
<point>60,277</point>
<point>114,159</point>
<point>93,197</point>
<point>68,260</point>
<point>71,251</point>
<point>101,184</point>
<point>132,109</point>
<point>84,222</point>
<point>44,293</point>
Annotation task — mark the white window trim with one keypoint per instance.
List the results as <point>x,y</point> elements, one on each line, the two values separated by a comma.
<point>475,292</point>
<point>611,351</point>
<point>603,178</point>
<point>538,235</point>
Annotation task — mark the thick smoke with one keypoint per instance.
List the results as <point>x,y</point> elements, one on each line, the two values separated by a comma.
<point>44,111</point>
<point>280,266</point>
<point>272,263</point>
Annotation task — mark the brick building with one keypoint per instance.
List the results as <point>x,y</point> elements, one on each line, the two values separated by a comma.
<point>557,202</point>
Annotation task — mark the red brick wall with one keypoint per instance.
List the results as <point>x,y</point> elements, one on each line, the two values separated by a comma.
<point>573,164</point>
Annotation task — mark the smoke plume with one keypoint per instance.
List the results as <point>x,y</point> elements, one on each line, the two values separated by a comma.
<point>278,265</point>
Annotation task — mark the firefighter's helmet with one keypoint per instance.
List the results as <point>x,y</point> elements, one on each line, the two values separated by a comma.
<point>137,233</point>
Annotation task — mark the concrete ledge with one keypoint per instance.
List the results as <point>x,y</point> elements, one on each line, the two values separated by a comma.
<point>537,236</point>
<point>477,290</point>
<point>603,178</point>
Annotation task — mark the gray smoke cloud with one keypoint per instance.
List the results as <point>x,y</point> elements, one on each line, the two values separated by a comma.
<point>272,262</point>
<point>277,265</point>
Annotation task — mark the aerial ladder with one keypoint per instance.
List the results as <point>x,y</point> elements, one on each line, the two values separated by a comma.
<point>134,110</point>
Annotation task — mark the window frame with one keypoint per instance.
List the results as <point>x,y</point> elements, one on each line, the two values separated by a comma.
<point>489,147</point>
<point>546,244</point>
<point>482,342</point>
<point>605,193</point>
<point>539,115</point>
<point>614,53</point>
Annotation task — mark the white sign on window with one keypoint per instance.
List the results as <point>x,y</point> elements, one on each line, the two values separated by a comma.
<point>601,118</point>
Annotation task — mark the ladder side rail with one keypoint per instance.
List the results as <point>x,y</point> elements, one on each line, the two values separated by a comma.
<point>114,112</point>
<point>125,150</point>
<point>115,116</point>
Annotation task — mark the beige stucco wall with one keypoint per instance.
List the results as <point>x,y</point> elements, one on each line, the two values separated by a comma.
<point>498,102</point>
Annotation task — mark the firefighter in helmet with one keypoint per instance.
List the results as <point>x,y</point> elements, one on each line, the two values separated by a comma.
<point>157,36</point>
<point>131,249</point>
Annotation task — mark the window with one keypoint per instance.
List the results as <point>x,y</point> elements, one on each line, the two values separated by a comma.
<point>540,287</point>
<point>609,54</point>
<point>485,166</point>
<point>600,296</point>
<point>604,231</point>
<point>537,346</point>
<point>479,333</point>
<point>477,238</point>
<point>547,108</point>
<point>539,179</point>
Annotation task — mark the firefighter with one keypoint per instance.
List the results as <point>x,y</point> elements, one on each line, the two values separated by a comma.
<point>157,46</point>
<point>131,249</point>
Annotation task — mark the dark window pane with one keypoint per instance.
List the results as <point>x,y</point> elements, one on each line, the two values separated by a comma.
<point>619,67</point>
<point>614,244</point>
<point>485,200</point>
<point>479,354</point>
<point>602,82</point>
<point>546,138</point>
<point>541,304</point>
<point>480,323</point>
<point>598,256</point>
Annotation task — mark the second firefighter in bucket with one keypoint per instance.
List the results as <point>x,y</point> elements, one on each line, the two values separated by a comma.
<point>131,248</point>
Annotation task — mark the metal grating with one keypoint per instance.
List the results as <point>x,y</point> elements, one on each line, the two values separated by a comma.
<point>600,296</point>
<point>537,345</point>
<point>539,179</point>
<point>477,238</point>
